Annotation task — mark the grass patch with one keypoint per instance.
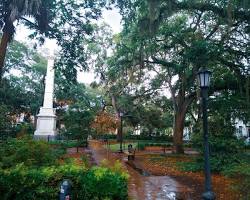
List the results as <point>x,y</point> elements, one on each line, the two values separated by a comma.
<point>116,147</point>
<point>139,144</point>
<point>69,143</point>
<point>170,160</point>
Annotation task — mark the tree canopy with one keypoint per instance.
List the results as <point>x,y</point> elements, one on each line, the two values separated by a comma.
<point>164,43</point>
<point>148,71</point>
<point>69,22</point>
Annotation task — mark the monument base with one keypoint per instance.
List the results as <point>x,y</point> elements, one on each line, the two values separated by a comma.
<point>46,125</point>
<point>45,137</point>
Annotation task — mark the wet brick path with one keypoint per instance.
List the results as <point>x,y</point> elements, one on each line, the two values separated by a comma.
<point>143,187</point>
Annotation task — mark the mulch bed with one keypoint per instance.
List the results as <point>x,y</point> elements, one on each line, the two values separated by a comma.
<point>166,166</point>
<point>78,156</point>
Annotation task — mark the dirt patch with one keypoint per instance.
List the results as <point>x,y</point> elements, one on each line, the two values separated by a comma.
<point>80,156</point>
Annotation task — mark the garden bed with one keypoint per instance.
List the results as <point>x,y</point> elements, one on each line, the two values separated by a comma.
<point>168,166</point>
<point>157,148</point>
<point>34,170</point>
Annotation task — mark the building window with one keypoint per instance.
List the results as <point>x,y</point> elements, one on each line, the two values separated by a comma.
<point>240,130</point>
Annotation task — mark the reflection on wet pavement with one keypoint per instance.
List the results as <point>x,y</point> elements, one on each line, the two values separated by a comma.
<point>144,187</point>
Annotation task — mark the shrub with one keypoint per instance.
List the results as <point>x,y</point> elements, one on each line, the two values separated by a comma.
<point>27,151</point>
<point>22,182</point>
<point>153,138</point>
<point>6,129</point>
<point>224,152</point>
<point>102,183</point>
<point>65,143</point>
<point>115,167</point>
<point>142,145</point>
<point>240,172</point>
<point>24,129</point>
<point>28,171</point>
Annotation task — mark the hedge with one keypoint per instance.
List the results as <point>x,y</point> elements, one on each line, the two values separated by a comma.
<point>22,183</point>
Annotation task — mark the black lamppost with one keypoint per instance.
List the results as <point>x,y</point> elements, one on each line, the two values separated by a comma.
<point>121,115</point>
<point>204,81</point>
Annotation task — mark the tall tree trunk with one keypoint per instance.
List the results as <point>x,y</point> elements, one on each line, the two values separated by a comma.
<point>179,120</point>
<point>178,131</point>
<point>3,48</point>
<point>119,136</point>
<point>119,133</point>
<point>248,91</point>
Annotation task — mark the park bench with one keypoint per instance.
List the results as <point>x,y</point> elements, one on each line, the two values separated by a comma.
<point>131,152</point>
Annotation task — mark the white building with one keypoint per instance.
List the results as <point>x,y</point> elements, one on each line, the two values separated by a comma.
<point>242,129</point>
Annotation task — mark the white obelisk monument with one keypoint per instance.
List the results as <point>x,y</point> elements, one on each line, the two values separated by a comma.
<point>46,119</point>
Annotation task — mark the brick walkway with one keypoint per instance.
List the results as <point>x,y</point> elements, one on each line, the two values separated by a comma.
<point>143,187</point>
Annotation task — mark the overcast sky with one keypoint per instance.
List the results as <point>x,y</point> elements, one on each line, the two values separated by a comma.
<point>111,17</point>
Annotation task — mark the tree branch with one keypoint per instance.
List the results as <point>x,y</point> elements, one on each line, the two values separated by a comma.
<point>242,15</point>
<point>29,22</point>
<point>213,31</point>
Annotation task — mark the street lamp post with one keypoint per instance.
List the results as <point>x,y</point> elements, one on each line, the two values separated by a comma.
<point>204,81</point>
<point>121,115</point>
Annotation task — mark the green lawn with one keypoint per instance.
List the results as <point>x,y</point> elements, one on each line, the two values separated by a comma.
<point>116,147</point>
<point>136,144</point>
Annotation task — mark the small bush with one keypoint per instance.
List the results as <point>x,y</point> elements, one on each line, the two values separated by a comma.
<point>27,151</point>
<point>5,121</point>
<point>193,166</point>
<point>24,129</point>
<point>142,145</point>
<point>115,167</point>
<point>240,172</point>
<point>28,171</point>
<point>152,138</point>
<point>224,152</point>
<point>70,143</point>
<point>22,182</point>
<point>102,183</point>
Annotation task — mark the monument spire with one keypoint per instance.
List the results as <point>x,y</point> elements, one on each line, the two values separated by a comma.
<point>49,84</point>
<point>46,119</point>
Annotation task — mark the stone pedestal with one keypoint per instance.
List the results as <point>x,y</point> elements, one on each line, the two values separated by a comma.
<point>46,124</point>
<point>46,119</point>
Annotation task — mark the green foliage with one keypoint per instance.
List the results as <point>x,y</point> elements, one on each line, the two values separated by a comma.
<point>66,143</point>
<point>55,19</point>
<point>24,129</point>
<point>84,103</point>
<point>102,183</point>
<point>193,166</point>
<point>172,40</point>
<point>242,174</point>
<point>23,92</point>
<point>116,147</point>
<point>116,167</point>
<point>142,145</point>
<point>21,57</point>
<point>21,182</point>
<point>5,120</point>
<point>28,170</point>
<point>150,139</point>
<point>77,123</point>
<point>225,151</point>
<point>27,152</point>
